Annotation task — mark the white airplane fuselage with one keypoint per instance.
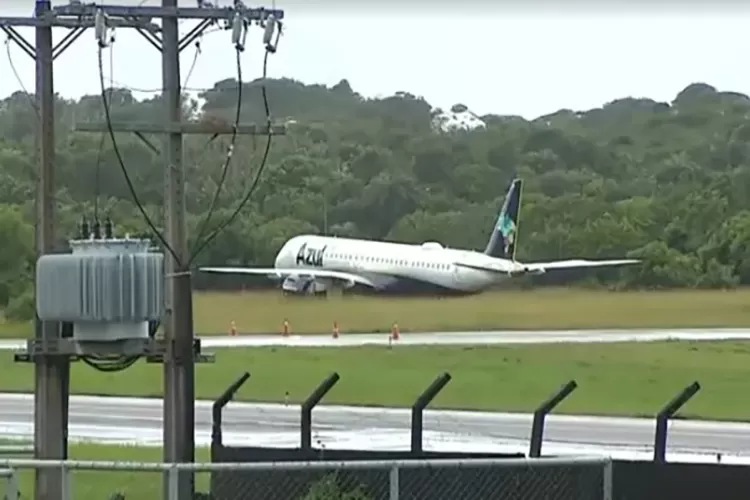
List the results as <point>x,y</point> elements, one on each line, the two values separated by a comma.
<point>313,263</point>
<point>393,267</point>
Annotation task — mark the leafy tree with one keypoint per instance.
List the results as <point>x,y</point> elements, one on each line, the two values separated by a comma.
<point>668,182</point>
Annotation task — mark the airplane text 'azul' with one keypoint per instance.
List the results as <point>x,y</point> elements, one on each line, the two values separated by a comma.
<point>310,256</point>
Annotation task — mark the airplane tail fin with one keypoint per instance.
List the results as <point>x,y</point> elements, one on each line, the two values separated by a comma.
<point>502,243</point>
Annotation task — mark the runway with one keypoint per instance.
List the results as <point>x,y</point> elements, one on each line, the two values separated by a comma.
<point>139,420</point>
<point>133,420</point>
<point>460,338</point>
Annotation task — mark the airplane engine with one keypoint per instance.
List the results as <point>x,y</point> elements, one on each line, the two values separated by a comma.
<point>307,286</point>
<point>297,285</point>
<point>310,286</point>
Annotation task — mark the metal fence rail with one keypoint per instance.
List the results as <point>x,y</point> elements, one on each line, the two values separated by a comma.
<point>569,478</point>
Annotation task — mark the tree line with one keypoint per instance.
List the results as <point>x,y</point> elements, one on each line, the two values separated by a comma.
<point>667,182</point>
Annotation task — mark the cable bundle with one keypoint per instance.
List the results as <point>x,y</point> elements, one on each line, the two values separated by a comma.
<point>239,35</point>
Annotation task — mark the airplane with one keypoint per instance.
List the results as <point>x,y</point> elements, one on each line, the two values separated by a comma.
<point>310,264</point>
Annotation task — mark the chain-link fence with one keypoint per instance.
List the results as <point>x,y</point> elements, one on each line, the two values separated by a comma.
<point>87,481</point>
<point>8,477</point>
<point>473,479</point>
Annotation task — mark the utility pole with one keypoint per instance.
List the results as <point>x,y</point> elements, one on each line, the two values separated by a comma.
<point>52,381</point>
<point>179,350</point>
<point>179,376</point>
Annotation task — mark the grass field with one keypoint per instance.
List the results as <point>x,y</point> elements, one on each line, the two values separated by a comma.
<point>539,309</point>
<point>624,379</point>
<point>264,312</point>
<point>101,484</point>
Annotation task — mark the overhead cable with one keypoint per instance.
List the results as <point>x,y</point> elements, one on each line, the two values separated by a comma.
<point>271,46</point>
<point>239,33</point>
<point>103,42</point>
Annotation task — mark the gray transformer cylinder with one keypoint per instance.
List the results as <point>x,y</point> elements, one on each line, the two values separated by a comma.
<point>110,289</point>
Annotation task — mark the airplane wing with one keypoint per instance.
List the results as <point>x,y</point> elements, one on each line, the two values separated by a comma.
<point>518,268</point>
<point>575,263</point>
<point>279,273</point>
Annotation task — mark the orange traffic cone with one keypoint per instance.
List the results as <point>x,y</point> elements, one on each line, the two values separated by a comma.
<point>233,329</point>
<point>394,332</point>
<point>335,329</point>
<point>285,330</point>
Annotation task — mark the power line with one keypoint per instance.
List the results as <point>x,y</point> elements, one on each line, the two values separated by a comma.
<point>27,95</point>
<point>271,47</point>
<point>196,55</point>
<point>128,181</point>
<point>228,161</point>
<point>106,363</point>
<point>17,76</point>
<point>53,347</point>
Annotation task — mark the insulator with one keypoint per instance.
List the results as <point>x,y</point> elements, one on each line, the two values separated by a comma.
<point>108,229</point>
<point>85,230</point>
<point>100,28</point>
<point>270,29</point>
<point>238,26</point>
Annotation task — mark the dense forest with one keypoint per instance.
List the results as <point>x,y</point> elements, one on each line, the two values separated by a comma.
<point>668,182</point>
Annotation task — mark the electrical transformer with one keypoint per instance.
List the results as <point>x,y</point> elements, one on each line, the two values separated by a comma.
<point>108,288</point>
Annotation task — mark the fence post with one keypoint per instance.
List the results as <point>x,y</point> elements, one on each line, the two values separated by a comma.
<point>667,412</point>
<point>218,407</point>
<point>173,476</point>
<point>537,427</point>
<point>11,484</point>
<point>417,409</point>
<point>307,408</point>
<point>65,482</point>
<point>607,480</point>
<point>393,483</point>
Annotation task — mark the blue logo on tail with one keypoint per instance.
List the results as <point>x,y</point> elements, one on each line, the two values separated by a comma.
<point>507,229</point>
<point>504,236</point>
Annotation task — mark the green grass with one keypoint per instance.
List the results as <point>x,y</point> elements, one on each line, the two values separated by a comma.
<point>538,309</point>
<point>99,485</point>
<point>12,330</point>
<point>264,312</point>
<point>623,379</point>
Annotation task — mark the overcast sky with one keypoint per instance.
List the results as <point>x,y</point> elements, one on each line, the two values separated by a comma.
<point>503,59</point>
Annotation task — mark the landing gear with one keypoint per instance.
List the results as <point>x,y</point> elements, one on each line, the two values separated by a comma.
<point>309,288</point>
<point>313,288</point>
<point>334,292</point>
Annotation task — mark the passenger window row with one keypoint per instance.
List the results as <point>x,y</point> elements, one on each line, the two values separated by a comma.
<point>393,262</point>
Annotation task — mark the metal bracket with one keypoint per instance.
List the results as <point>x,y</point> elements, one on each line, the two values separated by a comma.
<point>213,128</point>
<point>153,350</point>
<point>182,128</point>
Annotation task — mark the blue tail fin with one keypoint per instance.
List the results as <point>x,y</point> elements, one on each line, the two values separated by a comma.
<point>503,240</point>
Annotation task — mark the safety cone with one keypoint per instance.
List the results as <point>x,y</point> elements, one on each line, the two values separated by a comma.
<point>394,332</point>
<point>285,329</point>
<point>335,329</point>
<point>233,329</point>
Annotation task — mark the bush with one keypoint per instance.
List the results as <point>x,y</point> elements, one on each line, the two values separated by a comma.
<point>329,489</point>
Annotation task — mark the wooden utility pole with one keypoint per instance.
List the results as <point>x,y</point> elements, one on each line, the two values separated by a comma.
<point>49,351</point>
